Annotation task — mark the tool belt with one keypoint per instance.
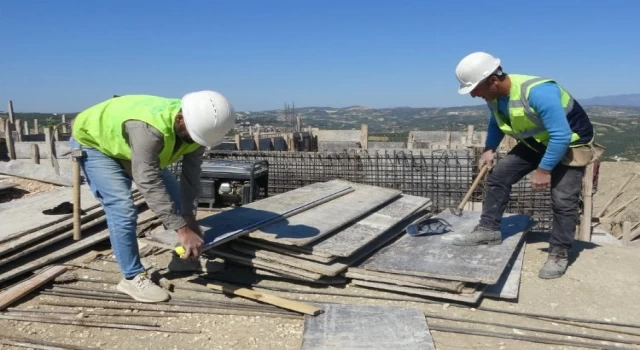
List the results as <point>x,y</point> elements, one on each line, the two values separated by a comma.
<point>582,155</point>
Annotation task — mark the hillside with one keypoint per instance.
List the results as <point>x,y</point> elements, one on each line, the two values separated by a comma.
<point>617,127</point>
<point>632,100</point>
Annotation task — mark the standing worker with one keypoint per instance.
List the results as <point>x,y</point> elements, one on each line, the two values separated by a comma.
<point>134,138</point>
<point>555,142</point>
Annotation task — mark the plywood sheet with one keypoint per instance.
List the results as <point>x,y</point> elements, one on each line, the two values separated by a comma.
<point>508,287</point>
<point>435,255</point>
<point>310,225</point>
<point>470,296</point>
<point>27,218</point>
<point>350,327</point>
<point>220,224</point>
<point>347,241</point>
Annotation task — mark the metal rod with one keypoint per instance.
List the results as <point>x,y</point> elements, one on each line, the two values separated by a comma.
<point>522,337</point>
<point>98,324</point>
<point>172,309</point>
<point>535,329</point>
<point>38,344</point>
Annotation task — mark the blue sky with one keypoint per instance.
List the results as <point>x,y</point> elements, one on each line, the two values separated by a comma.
<point>63,55</point>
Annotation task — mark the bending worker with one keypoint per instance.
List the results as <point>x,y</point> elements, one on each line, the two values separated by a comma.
<point>134,138</point>
<point>554,137</point>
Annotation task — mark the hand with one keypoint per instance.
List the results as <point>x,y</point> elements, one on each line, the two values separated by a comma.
<point>540,180</point>
<point>191,241</point>
<point>192,223</point>
<point>487,158</point>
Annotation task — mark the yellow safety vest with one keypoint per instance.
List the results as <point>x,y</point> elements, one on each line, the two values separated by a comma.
<point>102,126</point>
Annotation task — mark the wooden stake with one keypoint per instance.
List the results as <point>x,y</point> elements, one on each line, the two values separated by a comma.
<point>11,148</point>
<point>587,199</point>
<point>626,232</point>
<point>35,153</point>
<point>11,120</point>
<point>267,298</point>
<point>20,290</point>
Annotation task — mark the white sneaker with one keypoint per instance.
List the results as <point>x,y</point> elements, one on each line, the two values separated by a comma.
<point>142,289</point>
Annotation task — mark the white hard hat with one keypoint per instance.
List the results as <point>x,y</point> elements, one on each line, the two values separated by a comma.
<point>208,116</point>
<point>473,69</point>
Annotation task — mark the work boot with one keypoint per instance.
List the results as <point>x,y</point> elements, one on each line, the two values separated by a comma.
<point>142,289</point>
<point>479,235</point>
<point>556,264</point>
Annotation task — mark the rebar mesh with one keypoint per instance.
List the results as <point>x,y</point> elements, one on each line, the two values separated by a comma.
<point>444,176</point>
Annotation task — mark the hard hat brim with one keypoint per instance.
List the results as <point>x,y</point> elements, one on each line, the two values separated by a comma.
<point>465,89</point>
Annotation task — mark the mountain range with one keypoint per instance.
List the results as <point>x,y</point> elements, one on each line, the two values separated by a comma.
<point>631,100</point>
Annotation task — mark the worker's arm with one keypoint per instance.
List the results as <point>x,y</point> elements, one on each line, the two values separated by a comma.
<point>146,142</point>
<point>494,134</point>
<point>190,181</point>
<point>546,100</point>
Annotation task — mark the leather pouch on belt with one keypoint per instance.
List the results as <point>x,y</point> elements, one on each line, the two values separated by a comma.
<point>583,155</point>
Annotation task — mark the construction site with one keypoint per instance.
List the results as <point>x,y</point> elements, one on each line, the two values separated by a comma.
<point>320,239</point>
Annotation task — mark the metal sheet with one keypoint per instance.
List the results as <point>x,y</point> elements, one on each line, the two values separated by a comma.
<point>366,327</point>
<point>435,256</point>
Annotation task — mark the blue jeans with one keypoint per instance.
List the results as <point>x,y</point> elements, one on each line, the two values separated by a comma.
<point>111,186</point>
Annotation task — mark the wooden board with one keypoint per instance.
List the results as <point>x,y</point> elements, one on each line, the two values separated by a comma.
<point>6,185</point>
<point>28,218</point>
<point>312,224</point>
<point>70,249</point>
<point>471,297</point>
<point>508,287</point>
<point>240,218</point>
<point>347,241</point>
<point>435,256</point>
<point>23,288</point>
<point>404,280</point>
<point>351,327</point>
<point>286,250</point>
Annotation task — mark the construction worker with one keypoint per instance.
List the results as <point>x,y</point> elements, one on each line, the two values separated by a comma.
<point>555,143</point>
<point>134,138</point>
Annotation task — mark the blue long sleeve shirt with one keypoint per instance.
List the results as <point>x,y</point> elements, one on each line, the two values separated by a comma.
<point>545,99</point>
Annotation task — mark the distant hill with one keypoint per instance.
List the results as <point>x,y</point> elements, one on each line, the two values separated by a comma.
<point>630,100</point>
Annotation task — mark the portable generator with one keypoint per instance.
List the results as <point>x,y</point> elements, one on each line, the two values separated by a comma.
<point>226,182</point>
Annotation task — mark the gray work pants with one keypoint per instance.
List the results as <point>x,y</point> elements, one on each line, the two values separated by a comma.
<point>566,185</point>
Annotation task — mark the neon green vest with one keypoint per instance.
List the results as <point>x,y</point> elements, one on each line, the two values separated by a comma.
<point>102,126</point>
<point>524,121</point>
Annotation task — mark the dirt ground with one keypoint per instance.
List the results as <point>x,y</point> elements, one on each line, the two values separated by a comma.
<point>601,283</point>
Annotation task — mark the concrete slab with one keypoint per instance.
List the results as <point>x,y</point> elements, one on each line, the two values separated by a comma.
<point>435,255</point>
<point>7,185</point>
<point>350,327</point>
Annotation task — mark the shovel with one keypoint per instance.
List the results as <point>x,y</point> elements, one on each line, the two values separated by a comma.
<point>458,211</point>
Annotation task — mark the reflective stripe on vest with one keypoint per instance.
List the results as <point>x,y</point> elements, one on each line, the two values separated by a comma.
<point>519,106</point>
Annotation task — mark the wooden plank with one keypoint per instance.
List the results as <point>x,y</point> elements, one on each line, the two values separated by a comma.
<point>435,256</point>
<point>508,287</point>
<point>20,219</point>
<point>331,269</point>
<point>23,288</point>
<point>67,250</point>
<point>470,298</point>
<point>297,306</point>
<point>283,249</point>
<point>351,327</point>
<point>33,171</point>
<point>347,241</point>
<point>240,218</point>
<point>405,280</point>
<point>265,264</point>
<point>7,185</point>
<point>313,224</point>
